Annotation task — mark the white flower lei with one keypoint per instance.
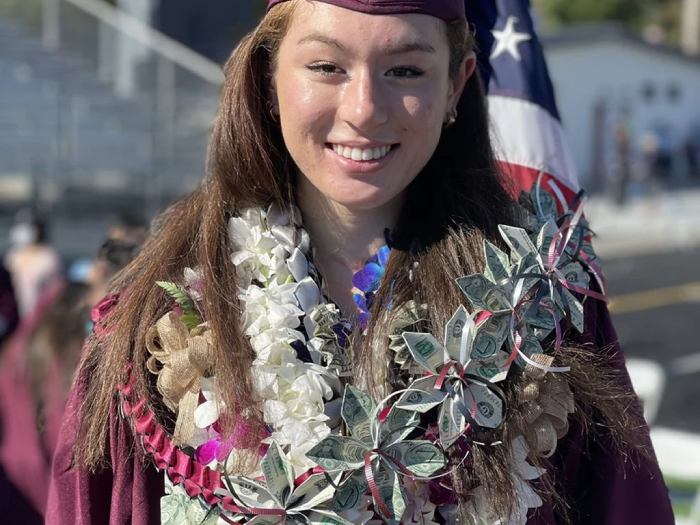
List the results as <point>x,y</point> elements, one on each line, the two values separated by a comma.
<point>276,292</point>
<point>301,400</point>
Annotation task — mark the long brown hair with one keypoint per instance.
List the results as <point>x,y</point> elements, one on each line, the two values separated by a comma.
<point>455,203</point>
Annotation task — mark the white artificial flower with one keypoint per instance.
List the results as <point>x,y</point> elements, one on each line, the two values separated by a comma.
<point>237,465</point>
<point>265,382</point>
<point>420,510</point>
<point>301,438</point>
<point>526,498</point>
<point>273,307</point>
<point>298,265</point>
<point>254,247</point>
<point>194,282</point>
<point>302,394</point>
<point>360,515</point>
<point>207,413</point>
<point>275,357</point>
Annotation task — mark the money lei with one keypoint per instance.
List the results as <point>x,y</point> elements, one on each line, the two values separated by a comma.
<point>517,303</point>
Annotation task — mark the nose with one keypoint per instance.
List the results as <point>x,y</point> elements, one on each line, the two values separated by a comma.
<point>363,104</point>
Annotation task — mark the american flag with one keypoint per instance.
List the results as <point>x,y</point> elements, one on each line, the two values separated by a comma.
<point>528,136</point>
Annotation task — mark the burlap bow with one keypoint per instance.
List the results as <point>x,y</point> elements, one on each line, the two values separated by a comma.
<point>180,358</point>
<point>546,402</point>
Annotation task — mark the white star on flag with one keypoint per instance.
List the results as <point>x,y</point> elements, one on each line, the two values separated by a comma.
<point>508,40</point>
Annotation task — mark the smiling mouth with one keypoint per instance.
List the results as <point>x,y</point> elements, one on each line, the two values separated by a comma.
<point>362,154</point>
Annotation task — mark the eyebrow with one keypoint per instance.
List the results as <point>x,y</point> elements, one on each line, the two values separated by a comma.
<point>404,47</point>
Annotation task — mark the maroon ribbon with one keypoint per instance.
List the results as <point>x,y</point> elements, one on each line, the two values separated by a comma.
<point>371,482</point>
<point>306,475</point>
<point>442,376</point>
<point>373,488</point>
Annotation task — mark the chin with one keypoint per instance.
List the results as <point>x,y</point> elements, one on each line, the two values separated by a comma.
<point>360,198</point>
<point>359,203</point>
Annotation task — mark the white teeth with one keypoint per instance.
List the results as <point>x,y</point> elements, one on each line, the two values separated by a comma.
<point>359,154</point>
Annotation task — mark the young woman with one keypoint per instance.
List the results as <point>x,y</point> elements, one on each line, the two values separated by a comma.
<point>270,360</point>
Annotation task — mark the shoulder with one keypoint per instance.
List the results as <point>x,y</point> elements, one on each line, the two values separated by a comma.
<point>136,416</point>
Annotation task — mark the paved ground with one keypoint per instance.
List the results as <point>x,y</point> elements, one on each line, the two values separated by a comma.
<point>651,249</point>
<point>656,310</point>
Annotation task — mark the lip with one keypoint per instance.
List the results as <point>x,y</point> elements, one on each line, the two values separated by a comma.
<point>358,144</point>
<point>360,166</point>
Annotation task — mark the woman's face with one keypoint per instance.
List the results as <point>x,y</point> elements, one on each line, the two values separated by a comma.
<point>362,99</point>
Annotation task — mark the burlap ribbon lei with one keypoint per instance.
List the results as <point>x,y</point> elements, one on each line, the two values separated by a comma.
<point>180,358</point>
<point>546,402</point>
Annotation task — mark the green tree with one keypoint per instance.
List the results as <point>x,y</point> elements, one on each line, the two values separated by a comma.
<point>575,11</point>
<point>636,14</point>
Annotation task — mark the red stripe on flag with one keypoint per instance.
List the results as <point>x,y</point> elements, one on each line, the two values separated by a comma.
<point>521,178</point>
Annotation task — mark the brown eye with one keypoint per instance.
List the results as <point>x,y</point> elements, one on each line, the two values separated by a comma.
<point>404,72</point>
<point>325,68</point>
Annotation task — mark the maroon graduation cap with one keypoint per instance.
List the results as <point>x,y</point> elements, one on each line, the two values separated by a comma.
<point>447,10</point>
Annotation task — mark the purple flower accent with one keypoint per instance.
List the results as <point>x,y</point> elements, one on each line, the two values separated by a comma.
<point>363,319</point>
<point>383,256</point>
<point>243,437</point>
<point>368,278</point>
<point>206,453</point>
<point>366,282</point>
<point>360,301</point>
<point>214,449</point>
<point>342,332</point>
<point>302,351</point>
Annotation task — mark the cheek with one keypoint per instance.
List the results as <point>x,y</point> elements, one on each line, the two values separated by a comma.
<point>422,125</point>
<point>423,112</point>
<point>303,113</point>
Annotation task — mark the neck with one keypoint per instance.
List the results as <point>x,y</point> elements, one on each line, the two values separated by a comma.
<point>342,238</point>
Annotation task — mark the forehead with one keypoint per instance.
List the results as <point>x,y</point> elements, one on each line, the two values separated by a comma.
<point>319,22</point>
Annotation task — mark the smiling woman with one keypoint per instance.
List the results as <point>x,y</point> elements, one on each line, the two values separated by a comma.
<point>362,101</point>
<point>351,321</point>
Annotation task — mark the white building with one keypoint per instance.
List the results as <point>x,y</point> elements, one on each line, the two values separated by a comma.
<point>605,76</point>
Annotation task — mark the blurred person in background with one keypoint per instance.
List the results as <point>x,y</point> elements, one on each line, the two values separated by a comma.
<point>361,129</point>
<point>623,168</point>
<point>129,227</point>
<point>124,240</point>
<point>36,374</point>
<point>692,151</point>
<point>649,151</point>
<point>9,315</point>
<point>663,163</point>
<point>34,265</point>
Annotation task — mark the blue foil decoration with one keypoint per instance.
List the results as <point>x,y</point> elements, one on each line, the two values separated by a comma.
<point>366,282</point>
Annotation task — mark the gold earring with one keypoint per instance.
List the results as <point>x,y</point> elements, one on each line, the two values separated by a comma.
<point>450,118</point>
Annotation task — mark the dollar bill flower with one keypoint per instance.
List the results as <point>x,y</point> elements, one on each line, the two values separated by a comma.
<point>277,498</point>
<point>376,455</point>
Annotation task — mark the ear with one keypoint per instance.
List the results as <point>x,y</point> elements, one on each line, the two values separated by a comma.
<point>272,100</point>
<point>457,84</point>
